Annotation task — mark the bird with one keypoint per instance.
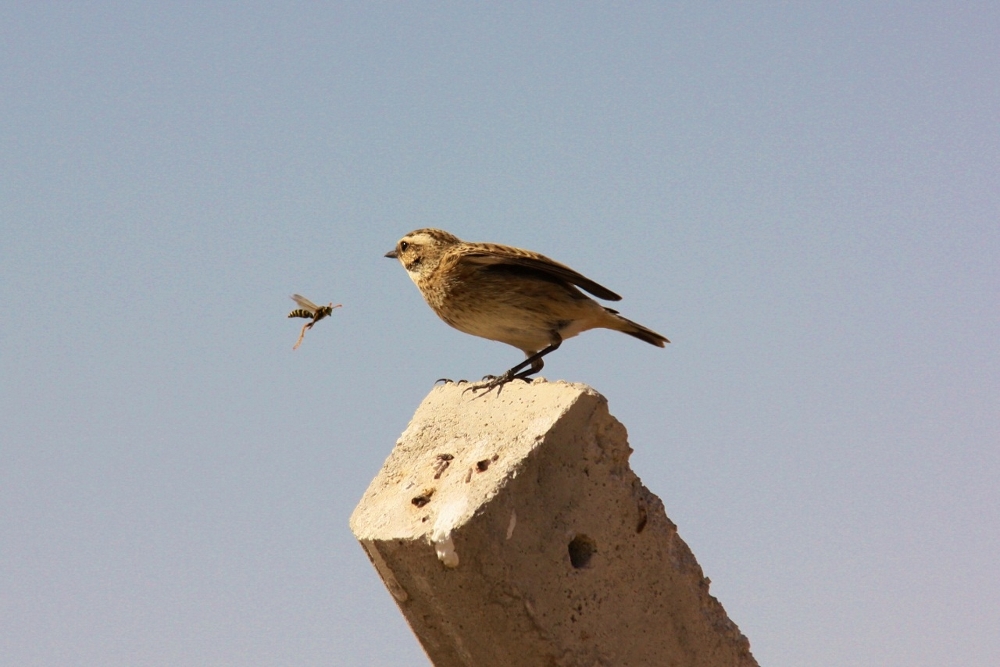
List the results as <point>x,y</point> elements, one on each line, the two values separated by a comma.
<point>507,294</point>
<point>309,310</point>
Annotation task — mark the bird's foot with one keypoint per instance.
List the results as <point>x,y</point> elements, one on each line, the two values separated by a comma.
<point>491,382</point>
<point>488,384</point>
<point>450,381</point>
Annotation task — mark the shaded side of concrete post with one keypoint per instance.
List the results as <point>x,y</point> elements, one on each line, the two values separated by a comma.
<point>511,530</point>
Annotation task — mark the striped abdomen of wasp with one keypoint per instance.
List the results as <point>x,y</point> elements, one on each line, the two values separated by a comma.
<point>319,313</point>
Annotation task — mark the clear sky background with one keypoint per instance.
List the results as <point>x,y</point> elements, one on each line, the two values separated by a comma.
<point>804,198</point>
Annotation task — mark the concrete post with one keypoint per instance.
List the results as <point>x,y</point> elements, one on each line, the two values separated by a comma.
<point>511,531</point>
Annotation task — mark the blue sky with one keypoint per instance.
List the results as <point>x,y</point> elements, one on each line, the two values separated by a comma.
<point>804,198</point>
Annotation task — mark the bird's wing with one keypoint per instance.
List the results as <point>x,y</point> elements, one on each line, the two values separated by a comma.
<point>487,254</point>
<point>305,303</point>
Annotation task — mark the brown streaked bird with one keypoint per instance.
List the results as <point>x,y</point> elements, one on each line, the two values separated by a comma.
<point>509,295</point>
<point>309,310</point>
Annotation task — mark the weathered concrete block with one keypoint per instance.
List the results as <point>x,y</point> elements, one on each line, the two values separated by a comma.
<point>511,531</point>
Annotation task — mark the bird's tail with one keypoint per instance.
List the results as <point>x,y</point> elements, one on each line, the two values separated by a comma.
<point>635,329</point>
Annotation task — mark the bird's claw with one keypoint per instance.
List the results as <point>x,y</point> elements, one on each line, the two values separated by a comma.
<point>491,382</point>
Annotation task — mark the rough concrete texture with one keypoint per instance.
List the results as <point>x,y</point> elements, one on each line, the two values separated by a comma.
<point>511,531</point>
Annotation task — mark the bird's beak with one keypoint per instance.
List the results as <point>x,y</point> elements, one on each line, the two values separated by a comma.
<point>391,254</point>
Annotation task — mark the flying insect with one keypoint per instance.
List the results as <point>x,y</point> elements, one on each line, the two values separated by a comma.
<point>310,311</point>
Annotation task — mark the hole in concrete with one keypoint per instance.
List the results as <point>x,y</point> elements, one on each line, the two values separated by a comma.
<point>441,464</point>
<point>581,549</point>
<point>643,517</point>
<point>423,498</point>
<point>483,466</point>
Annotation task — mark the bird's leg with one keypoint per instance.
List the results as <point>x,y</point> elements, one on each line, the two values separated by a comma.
<point>536,366</point>
<point>517,372</point>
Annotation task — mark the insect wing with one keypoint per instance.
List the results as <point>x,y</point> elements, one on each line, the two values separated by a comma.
<point>305,303</point>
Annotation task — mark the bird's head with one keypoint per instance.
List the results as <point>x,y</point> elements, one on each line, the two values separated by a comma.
<point>420,251</point>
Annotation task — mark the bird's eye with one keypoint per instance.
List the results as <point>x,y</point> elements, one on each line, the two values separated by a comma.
<point>403,245</point>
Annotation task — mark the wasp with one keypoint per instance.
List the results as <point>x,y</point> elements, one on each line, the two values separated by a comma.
<point>309,310</point>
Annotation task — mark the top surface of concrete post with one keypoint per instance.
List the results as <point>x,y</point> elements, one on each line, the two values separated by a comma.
<point>511,531</point>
